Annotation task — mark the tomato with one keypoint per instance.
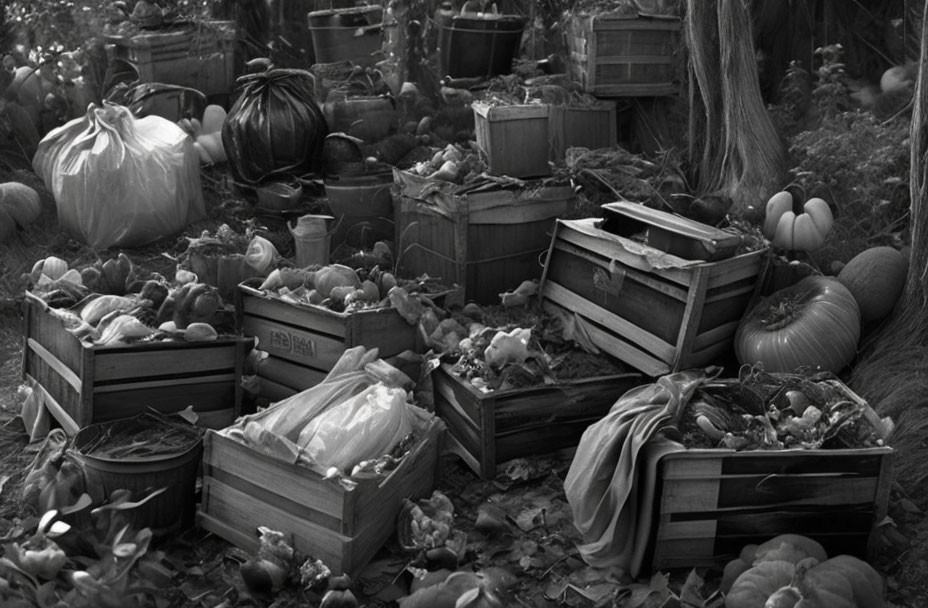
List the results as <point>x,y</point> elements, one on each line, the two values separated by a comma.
<point>814,323</point>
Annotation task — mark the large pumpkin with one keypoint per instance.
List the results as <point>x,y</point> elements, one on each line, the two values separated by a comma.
<point>876,278</point>
<point>814,323</point>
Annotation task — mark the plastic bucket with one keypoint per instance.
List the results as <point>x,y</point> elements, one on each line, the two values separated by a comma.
<point>363,206</point>
<point>312,239</point>
<point>165,514</point>
<point>478,46</point>
<point>352,34</point>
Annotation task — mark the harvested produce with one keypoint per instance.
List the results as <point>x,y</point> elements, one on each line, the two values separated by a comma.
<point>802,229</point>
<point>19,203</point>
<point>792,571</point>
<point>876,278</point>
<point>814,323</point>
<point>774,411</point>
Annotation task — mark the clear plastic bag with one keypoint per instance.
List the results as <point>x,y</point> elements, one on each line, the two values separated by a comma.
<point>365,426</point>
<point>119,180</point>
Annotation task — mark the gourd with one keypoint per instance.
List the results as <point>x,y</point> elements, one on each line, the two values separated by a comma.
<point>804,230</point>
<point>805,578</point>
<point>329,277</point>
<point>876,278</point>
<point>20,202</point>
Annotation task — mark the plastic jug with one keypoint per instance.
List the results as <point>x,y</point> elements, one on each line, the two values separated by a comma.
<point>312,239</point>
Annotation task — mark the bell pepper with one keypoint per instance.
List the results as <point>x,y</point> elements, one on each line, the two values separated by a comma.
<point>805,231</point>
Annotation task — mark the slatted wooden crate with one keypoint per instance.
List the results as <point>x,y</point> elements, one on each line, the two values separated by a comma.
<point>344,527</point>
<point>487,429</point>
<point>713,501</point>
<point>620,56</point>
<point>656,319</point>
<point>84,384</point>
<point>514,139</point>
<point>487,241</point>
<point>202,58</point>
<point>590,127</point>
<point>304,341</point>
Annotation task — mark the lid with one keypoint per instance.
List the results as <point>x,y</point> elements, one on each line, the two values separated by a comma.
<point>673,234</point>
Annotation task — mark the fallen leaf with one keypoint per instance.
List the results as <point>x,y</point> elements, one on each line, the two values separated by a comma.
<point>3,481</point>
<point>529,519</point>
<point>555,589</point>
<point>689,593</point>
<point>491,520</point>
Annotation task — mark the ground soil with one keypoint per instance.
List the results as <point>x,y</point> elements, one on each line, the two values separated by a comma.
<point>538,553</point>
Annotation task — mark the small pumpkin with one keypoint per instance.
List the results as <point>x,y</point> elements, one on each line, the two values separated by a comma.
<point>21,203</point>
<point>876,278</point>
<point>797,229</point>
<point>756,584</point>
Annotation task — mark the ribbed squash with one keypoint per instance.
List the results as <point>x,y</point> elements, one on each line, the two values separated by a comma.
<point>876,278</point>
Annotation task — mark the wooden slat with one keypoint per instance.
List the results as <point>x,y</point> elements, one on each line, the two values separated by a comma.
<point>229,377</point>
<point>314,318</point>
<point>60,368</point>
<point>290,375</point>
<point>54,408</point>
<point>617,347</point>
<point>658,348</point>
<point>147,363</point>
<point>303,346</point>
<point>722,333</point>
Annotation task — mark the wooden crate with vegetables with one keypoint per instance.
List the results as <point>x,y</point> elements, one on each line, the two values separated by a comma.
<point>517,386</point>
<point>625,56</point>
<point>482,236</point>
<point>304,340</point>
<point>83,383</point>
<point>658,305</point>
<point>343,522</point>
<point>788,455</point>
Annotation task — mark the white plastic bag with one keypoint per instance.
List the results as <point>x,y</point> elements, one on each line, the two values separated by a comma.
<point>363,427</point>
<point>119,180</point>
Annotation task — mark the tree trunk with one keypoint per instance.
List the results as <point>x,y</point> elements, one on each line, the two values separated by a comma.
<point>891,372</point>
<point>741,154</point>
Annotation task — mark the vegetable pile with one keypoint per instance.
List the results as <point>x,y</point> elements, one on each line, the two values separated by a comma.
<point>775,411</point>
<point>500,348</point>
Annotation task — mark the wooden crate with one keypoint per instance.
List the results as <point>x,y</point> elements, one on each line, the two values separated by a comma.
<point>304,341</point>
<point>712,502</point>
<point>655,318</point>
<point>514,139</point>
<point>486,429</point>
<point>587,127</point>
<point>344,527</point>
<point>487,241</point>
<point>83,384</point>
<point>202,58</point>
<point>616,56</point>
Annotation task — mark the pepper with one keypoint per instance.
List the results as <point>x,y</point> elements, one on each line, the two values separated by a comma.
<point>805,231</point>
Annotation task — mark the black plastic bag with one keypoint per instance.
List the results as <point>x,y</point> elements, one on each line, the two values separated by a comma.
<point>275,129</point>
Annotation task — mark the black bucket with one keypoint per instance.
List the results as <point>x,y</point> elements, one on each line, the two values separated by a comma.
<point>478,46</point>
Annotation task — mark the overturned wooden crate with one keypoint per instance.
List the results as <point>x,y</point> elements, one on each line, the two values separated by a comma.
<point>488,428</point>
<point>82,384</point>
<point>344,525</point>
<point>650,309</point>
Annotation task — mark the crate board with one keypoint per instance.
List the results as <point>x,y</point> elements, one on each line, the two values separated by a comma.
<point>244,489</point>
<point>657,320</point>
<point>713,502</point>
<point>487,429</point>
<point>203,59</point>
<point>591,127</point>
<point>514,139</point>
<point>304,341</point>
<point>616,56</point>
<point>487,241</point>
<point>83,384</point>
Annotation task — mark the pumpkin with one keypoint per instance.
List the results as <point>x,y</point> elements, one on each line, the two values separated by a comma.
<point>756,584</point>
<point>876,278</point>
<point>21,203</point>
<point>814,323</point>
<point>802,229</point>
